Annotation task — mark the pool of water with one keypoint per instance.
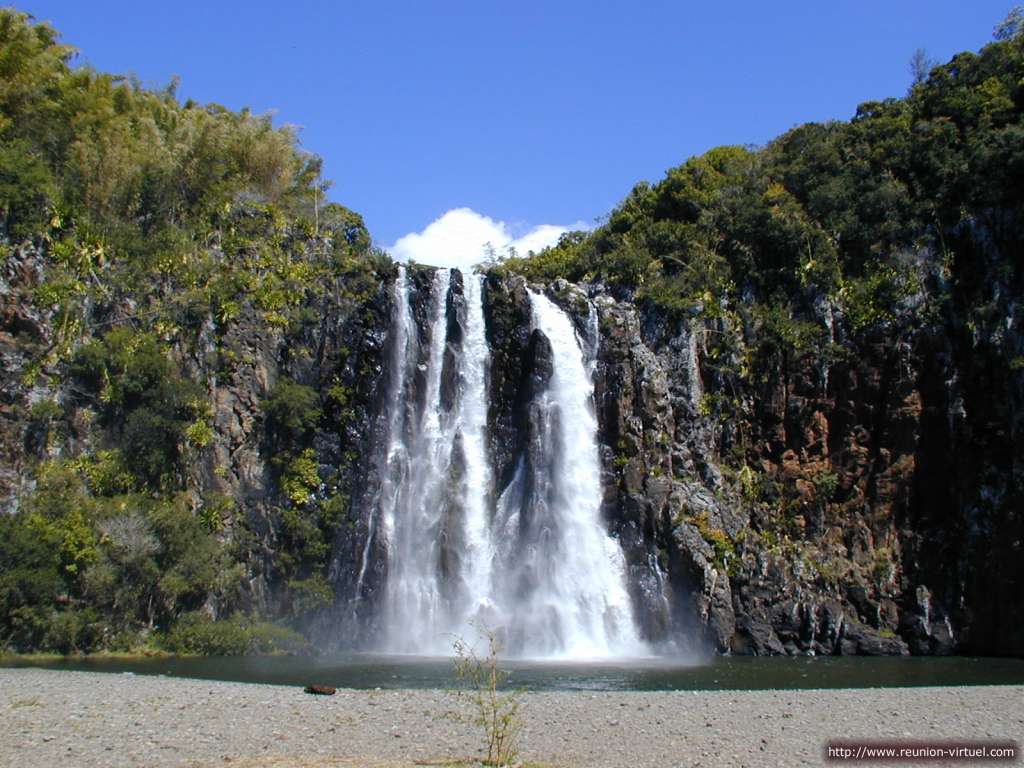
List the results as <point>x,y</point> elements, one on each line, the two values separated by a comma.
<point>718,673</point>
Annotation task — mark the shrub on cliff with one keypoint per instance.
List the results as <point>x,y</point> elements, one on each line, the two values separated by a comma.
<point>292,412</point>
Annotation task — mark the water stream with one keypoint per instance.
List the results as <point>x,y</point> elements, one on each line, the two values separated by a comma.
<point>536,565</point>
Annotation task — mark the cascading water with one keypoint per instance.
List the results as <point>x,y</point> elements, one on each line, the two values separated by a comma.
<point>564,592</point>
<point>536,564</point>
<point>472,430</point>
<point>395,464</point>
<point>420,451</point>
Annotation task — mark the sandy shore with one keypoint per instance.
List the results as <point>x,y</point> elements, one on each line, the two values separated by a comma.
<point>50,718</point>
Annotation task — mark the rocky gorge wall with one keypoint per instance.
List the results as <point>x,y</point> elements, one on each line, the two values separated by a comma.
<point>808,364</point>
<point>863,504</point>
<point>236,471</point>
<point>830,512</point>
<point>860,504</point>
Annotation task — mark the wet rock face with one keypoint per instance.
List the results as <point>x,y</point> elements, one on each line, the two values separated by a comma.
<point>455,311</point>
<point>522,364</point>
<point>636,422</point>
<point>871,505</point>
<point>508,322</point>
<point>816,546</point>
<point>538,367</point>
<point>824,511</point>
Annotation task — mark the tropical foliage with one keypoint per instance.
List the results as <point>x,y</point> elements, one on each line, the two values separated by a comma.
<point>161,225</point>
<point>855,211</point>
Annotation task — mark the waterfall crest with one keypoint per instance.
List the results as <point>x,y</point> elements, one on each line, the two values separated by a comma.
<point>534,564</point>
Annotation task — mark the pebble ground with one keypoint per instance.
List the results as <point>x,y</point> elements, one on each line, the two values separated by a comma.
<point>67,719</point>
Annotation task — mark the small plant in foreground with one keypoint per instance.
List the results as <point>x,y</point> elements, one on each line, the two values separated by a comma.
<point>498,713</point>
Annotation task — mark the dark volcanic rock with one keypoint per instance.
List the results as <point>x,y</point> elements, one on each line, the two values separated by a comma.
<point>815,514</point>
<point>868,503</point>
<point>320,690</point>
<point>455,311</point>
<point>507,315</point>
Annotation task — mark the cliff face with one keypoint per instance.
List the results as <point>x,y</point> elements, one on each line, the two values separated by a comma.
<point>834,510</point>
<point>808,366</point>
<point>860,504</point>
<point>864,503</point>
<point>235,478</point>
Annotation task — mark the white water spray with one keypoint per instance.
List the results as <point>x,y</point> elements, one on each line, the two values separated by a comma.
<point>570,599</point>
<point>476,488</point>
<point>415,600</point>
<point>537,566</point>
<point>402,342</point>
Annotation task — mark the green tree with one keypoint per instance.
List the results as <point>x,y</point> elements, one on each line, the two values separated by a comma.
<point>292,412</point>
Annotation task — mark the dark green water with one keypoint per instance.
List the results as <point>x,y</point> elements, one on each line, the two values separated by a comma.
<point>719,673</point>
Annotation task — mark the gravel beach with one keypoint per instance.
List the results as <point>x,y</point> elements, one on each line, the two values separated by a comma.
<point>50,718</point>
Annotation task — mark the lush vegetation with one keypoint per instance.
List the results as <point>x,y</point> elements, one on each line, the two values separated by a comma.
<point>859,212</point>
<point>161,225</point>
<point>827,249</point>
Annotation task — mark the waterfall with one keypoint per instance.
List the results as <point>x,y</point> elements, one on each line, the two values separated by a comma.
<point>536,564</point>
<point>415,492</point>
<point>477,487</point>
<point>402,337</point>
<point>567,594</point>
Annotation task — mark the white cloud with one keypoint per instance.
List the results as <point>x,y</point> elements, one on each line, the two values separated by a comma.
<point>458,239</point>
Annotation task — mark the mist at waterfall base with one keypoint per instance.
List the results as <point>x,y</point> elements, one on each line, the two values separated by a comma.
<point>532,561</point>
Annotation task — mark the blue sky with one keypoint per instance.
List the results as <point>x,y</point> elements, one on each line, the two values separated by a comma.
<point>515,115</point>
